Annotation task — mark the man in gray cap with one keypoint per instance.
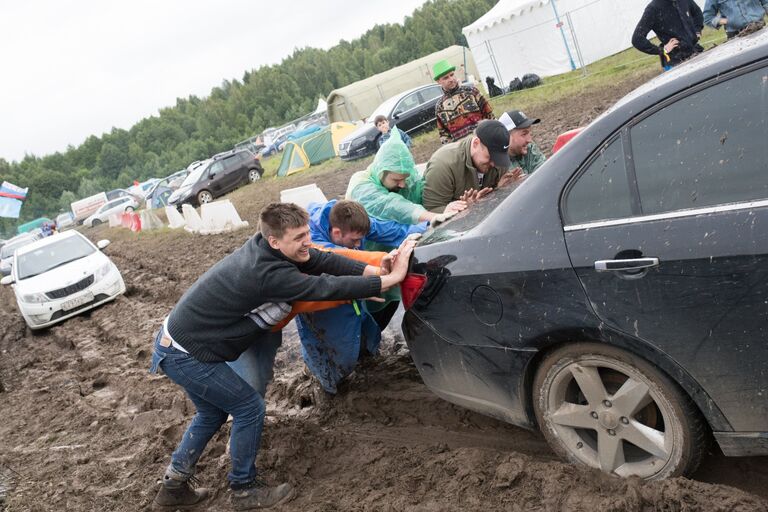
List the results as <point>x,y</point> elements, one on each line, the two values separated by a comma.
<point>467,169</point>
<point>525,155</point>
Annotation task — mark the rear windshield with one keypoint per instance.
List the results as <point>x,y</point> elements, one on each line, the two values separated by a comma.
<point>194,176</point>
<point>52,255</point>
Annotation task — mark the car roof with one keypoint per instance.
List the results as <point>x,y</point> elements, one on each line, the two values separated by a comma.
<point>730,55</point>
<point>48,240</point>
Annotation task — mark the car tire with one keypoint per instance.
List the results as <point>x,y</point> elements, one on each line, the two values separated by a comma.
<point>606,408</point>
<point>254,175</point>
<point>129,209</point>
<point>204,197</point>
<point>95,222</point>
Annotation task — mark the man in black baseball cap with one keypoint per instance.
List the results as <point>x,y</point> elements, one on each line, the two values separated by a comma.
<point>467,169</point>
<point>525,155</point>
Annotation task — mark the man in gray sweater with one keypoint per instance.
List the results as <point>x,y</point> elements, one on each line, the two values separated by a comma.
<point>232,306</point>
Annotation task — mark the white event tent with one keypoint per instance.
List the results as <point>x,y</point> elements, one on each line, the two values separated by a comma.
<point>548,37</point>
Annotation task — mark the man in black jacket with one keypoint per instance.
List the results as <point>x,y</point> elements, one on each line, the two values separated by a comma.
<point>232,306</point>
<point>677,24</point>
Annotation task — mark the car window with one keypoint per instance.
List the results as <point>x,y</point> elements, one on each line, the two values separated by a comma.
<point>430,93</point>
<point>8,248</point>
<point>232,161</point>
<point>52,255</point>
<point>216,167</point>
<point>407,103</point>
<point>602,191</point>
<point>708,148</point>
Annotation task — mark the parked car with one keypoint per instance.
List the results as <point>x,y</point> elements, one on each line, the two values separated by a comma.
<point>120,205</point>
<point>121,192</point>
<point>158,195</point>
<point>60,276</point>
<point>10,246</point>
<point>140,191</point>
<point>65,220</point>
<point>411,111</point>
<point>616,297</point>
<point>217,176</point>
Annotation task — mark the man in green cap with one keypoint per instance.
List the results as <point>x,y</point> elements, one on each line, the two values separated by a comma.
<point>461,108</point>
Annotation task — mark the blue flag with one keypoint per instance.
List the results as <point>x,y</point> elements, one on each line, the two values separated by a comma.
<point>10,207</point>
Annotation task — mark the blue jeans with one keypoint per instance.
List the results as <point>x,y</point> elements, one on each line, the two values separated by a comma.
<point>255,365</point>
<point>216,390</point>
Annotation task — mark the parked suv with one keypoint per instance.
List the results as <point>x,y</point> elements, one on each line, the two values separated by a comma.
<point>215,177</point>
<point>616,298</point>
<point>411,111</point>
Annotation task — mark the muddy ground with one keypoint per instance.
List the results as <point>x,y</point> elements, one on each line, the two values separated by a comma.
<point>84,427</point>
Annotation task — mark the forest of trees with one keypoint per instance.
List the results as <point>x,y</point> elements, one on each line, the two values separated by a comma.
<point>195,127</point>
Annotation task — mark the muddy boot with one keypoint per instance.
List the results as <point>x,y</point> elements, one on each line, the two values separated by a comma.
<point>178,494</point>
<point>259,495</point>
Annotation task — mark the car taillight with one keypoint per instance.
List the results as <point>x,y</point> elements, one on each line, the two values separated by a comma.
<point>411,288</point>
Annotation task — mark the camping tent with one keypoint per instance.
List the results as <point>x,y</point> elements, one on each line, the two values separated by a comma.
<point>548,37</point>
<point>358,100</point>
<point>314,148</point>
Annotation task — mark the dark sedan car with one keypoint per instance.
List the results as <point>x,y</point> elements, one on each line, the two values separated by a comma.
<point>411,111</point>
<point>618,297</point>
<point>217,176</point>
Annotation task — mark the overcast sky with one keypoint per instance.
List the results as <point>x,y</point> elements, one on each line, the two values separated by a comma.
<point>72,68</point>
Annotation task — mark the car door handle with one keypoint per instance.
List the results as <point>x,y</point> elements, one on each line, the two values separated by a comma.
<point>618,265</point>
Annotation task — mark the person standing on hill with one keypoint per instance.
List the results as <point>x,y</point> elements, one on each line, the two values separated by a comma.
<point>737,16</point>
<point>677,24</point>
<point>232,307</point>
<point>461,108</point>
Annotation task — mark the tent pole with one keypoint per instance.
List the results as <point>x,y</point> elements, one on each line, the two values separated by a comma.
<point>562,33</point>
<point>576,43</point>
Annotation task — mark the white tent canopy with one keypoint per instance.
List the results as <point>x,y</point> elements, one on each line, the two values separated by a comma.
<point>548,37</point>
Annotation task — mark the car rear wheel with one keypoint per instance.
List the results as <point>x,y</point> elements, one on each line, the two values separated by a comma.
<point>204,197</point>
<point>95,222</point>
<point>253,175</point>
<point>129,209</point>
<point>601,406</point>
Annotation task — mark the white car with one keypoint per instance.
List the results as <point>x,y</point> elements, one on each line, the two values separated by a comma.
<point>64,220</point>
<point>6,252</point>
<point>60,276</point>
<point>119,205</point>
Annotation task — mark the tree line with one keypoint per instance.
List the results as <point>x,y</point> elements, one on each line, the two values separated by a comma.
<point>195,128</point>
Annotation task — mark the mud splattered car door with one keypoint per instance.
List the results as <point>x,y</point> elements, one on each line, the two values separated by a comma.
<point>667,228</point>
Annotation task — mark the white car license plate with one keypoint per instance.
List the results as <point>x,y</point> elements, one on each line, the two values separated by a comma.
<point>79,301</point>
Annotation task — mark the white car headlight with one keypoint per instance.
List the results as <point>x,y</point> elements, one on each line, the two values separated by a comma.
<point>102,271</point>
<point>34,298</point>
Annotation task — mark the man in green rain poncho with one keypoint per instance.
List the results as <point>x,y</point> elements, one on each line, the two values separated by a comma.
<point>391,187</point>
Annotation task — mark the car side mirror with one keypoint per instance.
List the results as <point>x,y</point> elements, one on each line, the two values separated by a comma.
<point>397,114</point>
<point>102,244</point>
<point>211,175</point>
<point>7,280</point>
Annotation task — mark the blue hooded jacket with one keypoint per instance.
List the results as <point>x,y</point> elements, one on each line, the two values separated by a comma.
<point>383,232</point>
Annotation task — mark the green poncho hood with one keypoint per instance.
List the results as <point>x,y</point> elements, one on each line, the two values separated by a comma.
<point>365,186</point>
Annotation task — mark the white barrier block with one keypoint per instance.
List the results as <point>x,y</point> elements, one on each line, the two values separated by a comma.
<point>220,216</point>
<point>302,196</point>
<point>193,221</point>
<point>149,220</point>
<point>175,219</point>
<point>115,221</point>
<point>420,168</point>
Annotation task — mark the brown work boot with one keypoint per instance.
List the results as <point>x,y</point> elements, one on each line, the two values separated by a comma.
<point>259,495</point>
<point>179,494</point>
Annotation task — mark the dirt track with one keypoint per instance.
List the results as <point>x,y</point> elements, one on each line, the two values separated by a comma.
<point>85,427</point>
